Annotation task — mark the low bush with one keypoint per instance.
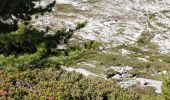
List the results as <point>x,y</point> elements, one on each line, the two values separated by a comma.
<point>42,84</point>
<point>166,87</point>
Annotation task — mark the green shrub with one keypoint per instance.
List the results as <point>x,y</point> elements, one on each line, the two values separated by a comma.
<point>166,87</point>
<point>42,83</point>
<point>30,48</point>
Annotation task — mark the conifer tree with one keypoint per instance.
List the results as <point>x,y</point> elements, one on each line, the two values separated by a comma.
<point>13,11</point>
<point>18,39</point>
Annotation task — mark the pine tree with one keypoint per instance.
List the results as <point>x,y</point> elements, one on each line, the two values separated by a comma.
<point>28,46</point>
<point>13,11</point>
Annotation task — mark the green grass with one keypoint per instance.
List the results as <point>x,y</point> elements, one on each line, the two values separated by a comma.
<point>166,86</point>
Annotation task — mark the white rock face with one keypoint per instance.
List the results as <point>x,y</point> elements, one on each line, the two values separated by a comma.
<point>125,52</point>
<point>134,81</point>
<point>79,70</point>
<point>163,41</point>
<point>63,1</point>
<point>116,21</point>
<point>121,76</point>
<point>122,69</point>
<point>143,83</point>
<point>143,59</point>
<point>128,83</point>
<point>153,83</point>
<point>82,71</point>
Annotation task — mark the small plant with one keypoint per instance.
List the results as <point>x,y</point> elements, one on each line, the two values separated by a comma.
<point>166,87</point>
<point>145,38</point>
<point>81,25</point>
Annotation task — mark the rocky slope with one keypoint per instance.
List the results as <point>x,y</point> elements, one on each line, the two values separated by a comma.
<point>136,30</point>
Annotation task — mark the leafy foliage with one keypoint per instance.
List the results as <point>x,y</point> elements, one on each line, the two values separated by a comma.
<point>45,83</point>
